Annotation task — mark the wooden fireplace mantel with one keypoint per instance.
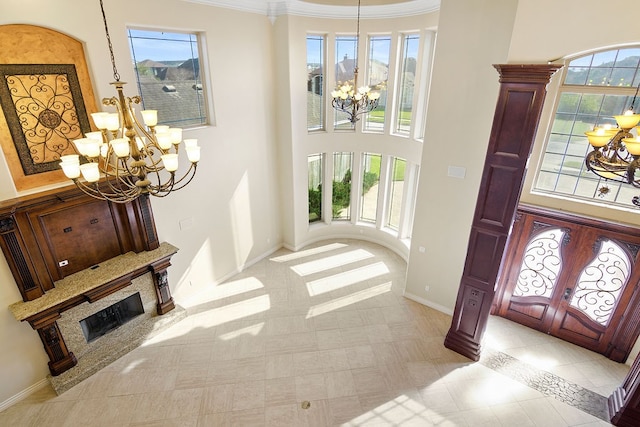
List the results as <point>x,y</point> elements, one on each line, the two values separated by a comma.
<point>92,283</point>
<point>65,248</point>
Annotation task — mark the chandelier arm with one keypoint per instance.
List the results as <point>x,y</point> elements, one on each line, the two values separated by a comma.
<point>631,172</point>
<point>190,173</point>
<point>94,190</point>
<point>140,126</point>
<point>162,191</point>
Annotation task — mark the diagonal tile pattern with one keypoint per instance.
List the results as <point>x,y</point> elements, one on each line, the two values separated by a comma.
<point>329,325</point>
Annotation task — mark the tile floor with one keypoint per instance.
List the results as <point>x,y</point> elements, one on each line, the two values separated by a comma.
<point>328,325</point>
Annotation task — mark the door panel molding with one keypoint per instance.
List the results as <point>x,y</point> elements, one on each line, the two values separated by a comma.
<point>595,300</point>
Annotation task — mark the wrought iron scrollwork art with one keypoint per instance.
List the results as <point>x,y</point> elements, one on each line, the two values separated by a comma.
<point>602,281</point>
<point>541,264</point>
<point>44,110</point>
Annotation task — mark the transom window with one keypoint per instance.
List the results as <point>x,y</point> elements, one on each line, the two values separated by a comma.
<point>595,88</point>
<point>169,76</point>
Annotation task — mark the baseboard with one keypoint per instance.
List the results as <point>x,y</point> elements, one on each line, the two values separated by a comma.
<point>430,304</point>
<point>24,394</point>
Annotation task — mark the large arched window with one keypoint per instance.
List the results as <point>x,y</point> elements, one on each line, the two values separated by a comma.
<point>595,87</point>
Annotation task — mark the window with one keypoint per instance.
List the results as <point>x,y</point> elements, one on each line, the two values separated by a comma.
<point>595,87</point>
<point>345,65</point>
<point>341,195</point>
<point>315,187</point>
<point>370,186</point>
<point>315,82</point>
<point>406,83</point>
<point>169,76</point>
<point>396,193</point>
<point>378,73</point>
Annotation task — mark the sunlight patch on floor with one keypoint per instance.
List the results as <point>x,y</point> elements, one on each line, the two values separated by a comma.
<point>132,366</point>
<point>253,330</point>
<point>330,262</point>
<point>308,252</point>
<point>398,411</point>
<point>341,280</point>
<point>540,362</point>
<point>338,303</point>
<point>225,290</point>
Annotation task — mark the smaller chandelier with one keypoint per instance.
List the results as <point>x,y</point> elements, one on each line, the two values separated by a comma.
<point>351,99</point>
<point>125,158</point>
<point>616,151</point>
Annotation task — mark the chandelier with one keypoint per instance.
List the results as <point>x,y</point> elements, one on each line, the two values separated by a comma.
<point>125,158</point>
<point>616,151</point>
<point>348,97</point>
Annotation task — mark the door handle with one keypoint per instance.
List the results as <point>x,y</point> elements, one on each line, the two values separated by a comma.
<point>567,293</point>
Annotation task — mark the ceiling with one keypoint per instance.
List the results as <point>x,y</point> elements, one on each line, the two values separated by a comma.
<point>329,8</point>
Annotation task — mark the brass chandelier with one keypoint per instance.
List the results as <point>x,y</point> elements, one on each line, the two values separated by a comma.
<point>125,158</point>
<point>348,97</point>
<point>616,151</point>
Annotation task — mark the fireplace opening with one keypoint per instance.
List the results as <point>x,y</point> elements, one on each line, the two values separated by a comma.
<point>112,317</point>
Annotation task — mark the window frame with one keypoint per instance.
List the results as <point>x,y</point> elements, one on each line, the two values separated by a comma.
<point>324,90</point>
<point>208,116</point>
<point>605,193</point>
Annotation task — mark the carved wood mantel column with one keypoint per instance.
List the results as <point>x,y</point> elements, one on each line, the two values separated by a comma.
<point>60,358</point>
<point>518,109</point>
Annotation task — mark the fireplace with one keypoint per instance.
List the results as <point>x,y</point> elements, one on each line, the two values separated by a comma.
<point>112,317</point>
<point>54,243</point>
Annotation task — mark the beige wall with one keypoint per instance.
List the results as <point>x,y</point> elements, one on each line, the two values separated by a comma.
<point>236,217</point>
<point>471,36</point>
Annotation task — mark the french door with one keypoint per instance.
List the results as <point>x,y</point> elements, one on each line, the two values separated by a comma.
<point>573,278</point>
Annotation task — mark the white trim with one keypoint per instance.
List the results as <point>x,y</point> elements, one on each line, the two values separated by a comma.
<point>302,8</point>
<point>430,304</point>
<point>24,394</point>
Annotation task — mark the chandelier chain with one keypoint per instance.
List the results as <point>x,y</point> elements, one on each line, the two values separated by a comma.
<point>116,75</point>
<point>635,95</point>
<point>357,35</point>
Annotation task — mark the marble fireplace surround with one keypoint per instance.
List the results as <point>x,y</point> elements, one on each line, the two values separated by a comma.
<point>86,292</point>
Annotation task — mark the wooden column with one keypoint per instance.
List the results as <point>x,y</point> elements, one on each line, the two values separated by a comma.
<point>161,282</point>
<point>21,266</point>
<point>60,358</point>
<point>518,109</point>
<point>624,402</point>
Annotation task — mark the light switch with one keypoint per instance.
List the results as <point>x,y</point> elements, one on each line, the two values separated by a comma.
<point>456,171</point>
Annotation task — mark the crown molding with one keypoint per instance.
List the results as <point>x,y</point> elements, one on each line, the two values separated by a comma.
<point>274,9</point>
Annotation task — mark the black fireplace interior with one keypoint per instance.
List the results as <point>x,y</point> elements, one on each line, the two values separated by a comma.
<point>110,318</point>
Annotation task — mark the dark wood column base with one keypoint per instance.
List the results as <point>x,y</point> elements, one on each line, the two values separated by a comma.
<point>467,348</point>
<point>161,282</point>
<point>60,358</point>
<point>466,332</point>
<point>60,366</point>
<point>165,307</point>
<point>624,402</point>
